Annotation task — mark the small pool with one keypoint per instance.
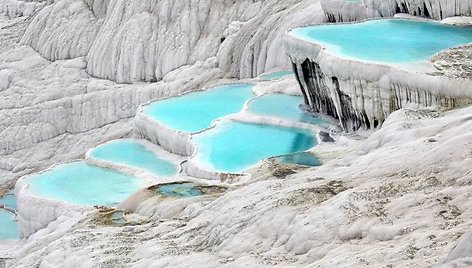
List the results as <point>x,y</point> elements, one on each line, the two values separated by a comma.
<point>302,159</point>
<point>386,40</point>
<point>8,200</point>
<point>8,226</point>
<point>82,184</point>
<point>283,106</point>
<point>234,146</point>
<point>179,190</point>
<point>133,154</point>
<point>195,111</point>
<point>276,75</point>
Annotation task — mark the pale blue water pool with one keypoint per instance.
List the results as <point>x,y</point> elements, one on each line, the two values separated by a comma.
<point>284,106</point>
<point>9,200</point>
<point>195,111</point>
<point>276,75</point>
<point>235,146</point>
<point>386,41</point>
<point>83,184</point>
<point>8,227</point>
<point>303,159</point>
<point>133,154</point>
<point>179,190</point>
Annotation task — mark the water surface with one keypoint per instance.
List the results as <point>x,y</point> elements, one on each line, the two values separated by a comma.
<point>9,200</point>
<point>195,111</point>
<point>83,184</point>
<point>386,40</point>
<point>179,190</point>
<point>133,154</point>
<point>8,227</point>
<point>234,146</point>
<point>283,106</point>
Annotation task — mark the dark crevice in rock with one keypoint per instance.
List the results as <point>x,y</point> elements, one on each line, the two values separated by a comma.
<point>330,95</point>
<point>426,12</point>
<point>326,97</point>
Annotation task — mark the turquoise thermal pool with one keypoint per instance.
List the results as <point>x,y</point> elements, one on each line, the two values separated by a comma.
<point>303,159</point>
<point>83,184</point>
<point>386,40</point>
<point>133,154</point>
<point>179,190</point>
<point>8,226</point>
<point>194,112</point>
<point>8,200</point>
<point>283,106</point>
<point>234,146</point>
<point>276,75</point>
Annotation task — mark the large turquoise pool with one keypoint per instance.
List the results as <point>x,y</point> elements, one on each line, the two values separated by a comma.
<point>195,111</point>
<point>8,227</point>
<point>234,146</point>
<point>386,40</point>
<point>283,106</point>
<point>83,184</point>
<point>133,154</point>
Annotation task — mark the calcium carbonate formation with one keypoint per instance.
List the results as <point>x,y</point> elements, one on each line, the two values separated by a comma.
<point>344,10</point>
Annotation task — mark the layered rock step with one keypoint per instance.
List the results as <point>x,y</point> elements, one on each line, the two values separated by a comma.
<point>361,72</point>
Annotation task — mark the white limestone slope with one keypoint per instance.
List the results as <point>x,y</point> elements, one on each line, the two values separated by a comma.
<point>127,41</point>
<point>144,40</point>
<point>54,111</point>
<point>64,30</point>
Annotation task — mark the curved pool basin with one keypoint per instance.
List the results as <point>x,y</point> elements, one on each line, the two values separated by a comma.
<point>9,201</point>
<point>283,106</point>
<point>133,154</point>
<point>79,183</point>
<point>8,226</point>
<point>386,40</point>
<point>178,190</point>
<point>233,146</point>
<point>194,112</point>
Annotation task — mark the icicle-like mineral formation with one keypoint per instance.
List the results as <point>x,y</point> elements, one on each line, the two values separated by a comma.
<point>343,11</point>
<point>361,94</point>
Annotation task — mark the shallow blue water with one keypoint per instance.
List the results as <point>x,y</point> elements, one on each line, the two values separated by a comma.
<point>387,41</point>
<point>8,227</point>
<point>179,190</point>
<point>276,75</point>
<point>303,158</point>
<point>9,200</point>
<point>234,146</point>
<point>83,184</point>
<point>133,154</point>
<point>284,106</point>
<point>195,111</point>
